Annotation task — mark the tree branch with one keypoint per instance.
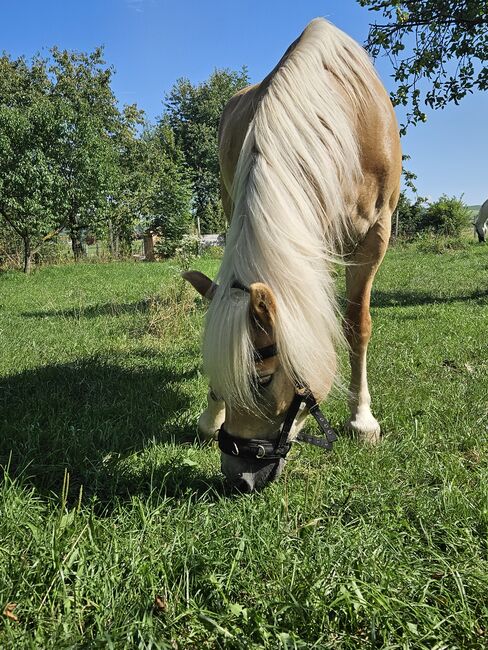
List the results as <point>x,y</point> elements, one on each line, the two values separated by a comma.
<point>14,228</point>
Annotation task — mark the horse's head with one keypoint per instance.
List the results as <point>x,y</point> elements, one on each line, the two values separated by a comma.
<point>481,232</point>
<point>246,372</point>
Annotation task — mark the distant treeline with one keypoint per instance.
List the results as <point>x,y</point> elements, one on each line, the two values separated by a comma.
<point>73,161</point>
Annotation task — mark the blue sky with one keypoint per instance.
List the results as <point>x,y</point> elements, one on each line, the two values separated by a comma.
<point>151,43</point>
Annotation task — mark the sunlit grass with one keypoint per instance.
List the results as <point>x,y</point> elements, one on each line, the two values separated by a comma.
<point>107,504</point>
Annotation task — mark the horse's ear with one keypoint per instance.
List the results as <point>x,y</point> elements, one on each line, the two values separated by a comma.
<point>262,305</point>
<point>201,283</point>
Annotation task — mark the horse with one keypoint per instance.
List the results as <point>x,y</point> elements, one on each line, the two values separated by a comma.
<point>310,165</point>
<point>481,222</point>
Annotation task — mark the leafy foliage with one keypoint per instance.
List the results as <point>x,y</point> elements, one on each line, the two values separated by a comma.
<point>10,246</point>
<point>410,215</point>
<point>31,187</point>
<point>193,112</point>
<point>170,201</point>
<point>81,86</point>
<point>70,159</point>
<point>128,203</point>
<point>446,216</point>
<point>444,42</point>
<point>58,118</point>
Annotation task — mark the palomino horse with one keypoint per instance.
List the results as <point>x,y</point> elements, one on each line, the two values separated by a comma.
<point>310,165</point>
<point>481,222</point>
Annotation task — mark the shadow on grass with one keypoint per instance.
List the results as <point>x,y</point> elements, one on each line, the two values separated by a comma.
<point>413,298</point>
<point>93,311</point>
<point>87,417</point>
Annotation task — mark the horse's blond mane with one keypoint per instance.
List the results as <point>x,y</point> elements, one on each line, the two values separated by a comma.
<point>297,173</point>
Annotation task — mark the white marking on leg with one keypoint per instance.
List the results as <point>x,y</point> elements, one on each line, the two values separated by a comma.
<point>212,418</point>
<point>362,420</point>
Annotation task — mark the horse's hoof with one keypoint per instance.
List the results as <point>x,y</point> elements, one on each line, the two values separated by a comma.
<point>366,428</point>
<point>205,436</point>
<point>208,428</point>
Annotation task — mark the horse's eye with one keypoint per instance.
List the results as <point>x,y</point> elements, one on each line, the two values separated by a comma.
<point>264,381</point>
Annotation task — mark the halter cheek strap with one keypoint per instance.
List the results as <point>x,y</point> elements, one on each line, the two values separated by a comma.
<point>324,425</point>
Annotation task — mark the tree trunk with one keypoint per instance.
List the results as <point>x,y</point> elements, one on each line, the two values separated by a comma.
<point>27,256</point>
<point>113,240</point>
<point>116,245</point>
<point>77,246</point>
<point>149,247</point>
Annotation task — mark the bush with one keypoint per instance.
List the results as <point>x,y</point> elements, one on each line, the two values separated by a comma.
<point>447,216</point>
<point>431,242</point>
<point>213,252</point>
<point>185,246</point>
<point>53,252</point>
<point>187,250</point>
<point>10,248</point>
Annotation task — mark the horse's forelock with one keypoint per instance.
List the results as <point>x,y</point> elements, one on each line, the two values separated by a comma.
<point>228,349</point>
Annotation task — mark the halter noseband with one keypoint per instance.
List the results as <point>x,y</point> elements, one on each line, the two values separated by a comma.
<point>278,448</point>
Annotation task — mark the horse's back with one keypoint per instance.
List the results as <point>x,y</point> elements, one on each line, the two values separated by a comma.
<point>376,132</point>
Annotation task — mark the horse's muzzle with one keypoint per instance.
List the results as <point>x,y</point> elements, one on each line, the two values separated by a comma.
<point>247,475</point>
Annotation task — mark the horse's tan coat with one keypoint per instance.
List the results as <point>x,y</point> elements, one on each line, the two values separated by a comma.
<point>370,205</point>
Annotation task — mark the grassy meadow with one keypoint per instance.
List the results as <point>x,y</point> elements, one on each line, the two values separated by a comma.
<point>116,530</point>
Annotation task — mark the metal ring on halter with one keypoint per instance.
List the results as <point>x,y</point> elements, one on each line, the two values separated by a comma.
<point>236,452</point>
<point>261,452</point>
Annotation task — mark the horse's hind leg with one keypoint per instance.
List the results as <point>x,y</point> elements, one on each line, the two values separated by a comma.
<point>359,279</point>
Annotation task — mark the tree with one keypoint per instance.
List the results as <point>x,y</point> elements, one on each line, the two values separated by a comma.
<point>193,112</point>
<point>128,199</point>
<point>31,188</point>
<point>154,192</point>
<point>447,216</point>
<point>441,42</point>
<point>81,89</point>
<point>171,197</point>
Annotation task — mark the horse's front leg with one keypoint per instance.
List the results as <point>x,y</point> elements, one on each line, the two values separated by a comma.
<point>212,417</point>
<point>361,421</point>
<point>359,279</point>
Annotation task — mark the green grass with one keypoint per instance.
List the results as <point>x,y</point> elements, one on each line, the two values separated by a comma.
<point>106,504</point>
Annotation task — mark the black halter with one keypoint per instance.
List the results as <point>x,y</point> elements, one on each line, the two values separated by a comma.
<point>279,447</point>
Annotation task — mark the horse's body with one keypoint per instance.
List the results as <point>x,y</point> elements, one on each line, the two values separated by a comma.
<point>481,222</point>
<point>310,165</point>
